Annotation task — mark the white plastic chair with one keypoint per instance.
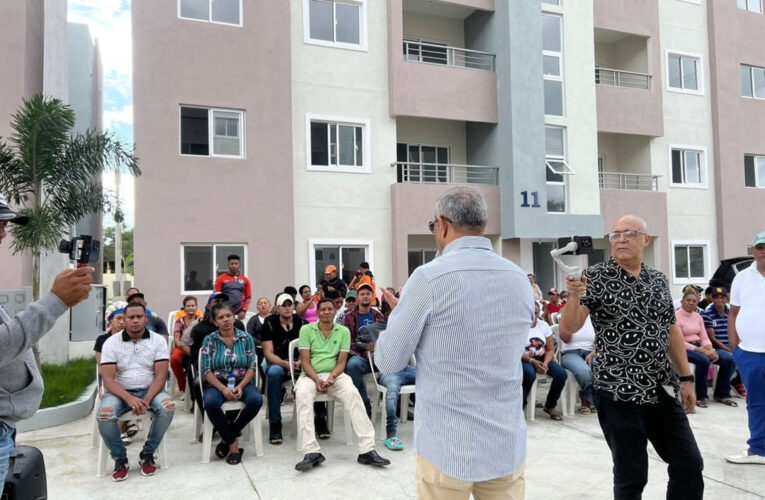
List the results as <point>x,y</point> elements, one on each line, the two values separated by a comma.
<point>253,430</point>
<point>319,398</point>
<point>95,436</point>
<point>406,390</point>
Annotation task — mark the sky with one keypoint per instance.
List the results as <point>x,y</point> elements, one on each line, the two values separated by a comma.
<point>109,22</point>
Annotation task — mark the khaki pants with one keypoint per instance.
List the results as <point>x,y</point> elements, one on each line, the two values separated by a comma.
<point>343,390</point>
<point>432,484</point>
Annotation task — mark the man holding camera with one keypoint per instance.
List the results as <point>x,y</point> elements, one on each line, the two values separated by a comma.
<point>21,384</point>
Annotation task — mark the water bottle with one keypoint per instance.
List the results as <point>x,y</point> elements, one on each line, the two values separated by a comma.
<point>231,381</point>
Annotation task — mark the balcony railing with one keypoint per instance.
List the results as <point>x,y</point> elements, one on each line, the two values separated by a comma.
<point>445,55</point>
<point>619,180</point>
<point>619,78</point>
<point>441,173</point>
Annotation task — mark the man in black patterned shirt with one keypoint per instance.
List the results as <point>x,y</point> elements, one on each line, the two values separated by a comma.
<point>635,338</point>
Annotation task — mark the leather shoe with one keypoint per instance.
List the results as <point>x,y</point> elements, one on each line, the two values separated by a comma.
<point>309,461</point>
<point>372,458</point>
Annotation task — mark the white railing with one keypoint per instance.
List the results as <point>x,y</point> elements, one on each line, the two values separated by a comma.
<point>619,180</point>
<point>443,173</point>
<point>619,78</point>
<point>446,55</point>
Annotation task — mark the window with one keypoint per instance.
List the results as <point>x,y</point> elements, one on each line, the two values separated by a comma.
<point>752,82</point>
<point>345,255</point>
<point>556,169</point>
<point>203,262</point>
<point>552,56</point>
<point>422,163</point>
<point>335,23</point>
<point>690,261</point>
<point>684,73</point>
<point>339,145</point>
<point>688,166</point>
<point>214,11</point>
<point>754,171</point>
<point>751,5</point>
<point>420,256</point>
<point>225,134</point>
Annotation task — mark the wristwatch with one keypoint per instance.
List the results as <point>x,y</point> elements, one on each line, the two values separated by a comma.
<point>687,378</point>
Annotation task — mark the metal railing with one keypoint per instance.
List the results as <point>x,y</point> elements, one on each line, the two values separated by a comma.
<point>619,78</point>
<point>619,180</point>
<point>443,173</point>
<point>446,55</point>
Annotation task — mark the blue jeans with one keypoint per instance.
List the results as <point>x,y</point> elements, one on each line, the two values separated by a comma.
<point>356,368</point>
<point>751,365</point>
<point>558,375</point>
<point>214,400</point>
<point>6,448</point>
<point>109,428</point>
<point>393,383</point>
<point>276,376</point>
<point>573,361</point>
<point>702,362</point>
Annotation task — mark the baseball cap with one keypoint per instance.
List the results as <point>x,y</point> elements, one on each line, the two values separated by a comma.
<point>281,299</point>
<point>217,295</point>
<point>135,296</point>
<point>350,294</point>
<point>552,291</point>
<point>8,215</point>
<point>365,285</point>
<point>759,239</point>
<point>719,290</point>
<point>330,269</point>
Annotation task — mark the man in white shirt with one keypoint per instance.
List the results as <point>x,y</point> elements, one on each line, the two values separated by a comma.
<point>746,332</point>
<point>134,368</point>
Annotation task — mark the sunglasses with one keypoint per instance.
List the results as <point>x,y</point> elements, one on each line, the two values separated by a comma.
<point>432,224</point>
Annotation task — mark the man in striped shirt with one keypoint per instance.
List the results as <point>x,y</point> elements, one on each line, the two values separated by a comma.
<point>466,317</point>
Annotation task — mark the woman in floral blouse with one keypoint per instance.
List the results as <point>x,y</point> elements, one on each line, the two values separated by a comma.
<point>226,352</point>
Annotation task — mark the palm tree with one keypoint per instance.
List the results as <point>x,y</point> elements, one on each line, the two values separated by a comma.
<point>55,175</point>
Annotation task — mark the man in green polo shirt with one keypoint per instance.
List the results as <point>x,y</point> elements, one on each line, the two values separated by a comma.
<point>324,347</point>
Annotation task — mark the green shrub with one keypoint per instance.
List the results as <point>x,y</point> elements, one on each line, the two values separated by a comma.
<point>66,383</point>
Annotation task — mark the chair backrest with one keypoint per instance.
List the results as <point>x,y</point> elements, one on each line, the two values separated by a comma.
<point>555,318</point>
<point>247,316</point>
<point>170,322</point>
<point>556,340</point>
<point>293,345</point>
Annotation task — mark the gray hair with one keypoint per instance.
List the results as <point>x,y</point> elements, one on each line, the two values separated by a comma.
<point>464,207</point>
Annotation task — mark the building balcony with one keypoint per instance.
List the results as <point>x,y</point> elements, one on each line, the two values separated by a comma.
<point>439,173</point>
<point>619,78</point>
<point>628,182</point>
<point>444,55</point>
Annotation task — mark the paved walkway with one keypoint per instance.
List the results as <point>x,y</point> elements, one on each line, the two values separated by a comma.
<point>566,460</point>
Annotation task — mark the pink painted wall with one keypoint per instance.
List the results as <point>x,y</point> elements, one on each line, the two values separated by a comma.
<point>435,91</point>
<point>181,199</point>
<point>736,37</point>
<point>623,110</point>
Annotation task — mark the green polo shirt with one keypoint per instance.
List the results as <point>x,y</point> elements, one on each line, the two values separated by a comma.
<point>324,351</point>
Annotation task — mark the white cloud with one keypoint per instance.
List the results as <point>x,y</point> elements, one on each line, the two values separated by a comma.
<point>123,116</point>
<point>110,23</point>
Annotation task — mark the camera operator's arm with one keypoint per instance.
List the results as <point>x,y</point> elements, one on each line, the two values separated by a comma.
<point>19,334</point>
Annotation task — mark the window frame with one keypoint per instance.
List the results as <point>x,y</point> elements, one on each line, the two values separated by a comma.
<point>559,55</point>
<point>699,71</point>
<point>421,251</point>
<point>747,2</point>
<point>214,246</point>
<point>366,134</point>
<point>750,68</point>
<point>705,244</point>
<point>684,148</point>
<point>340,243</point>
<point>420,145</point>
<point>557,158</point>
<point>211,131</point>
<point>758,183</point>
<point>362,46</point>
<point>209,19</point>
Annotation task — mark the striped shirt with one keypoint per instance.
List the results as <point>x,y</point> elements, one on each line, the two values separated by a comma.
<point>221,359</point>
<point>717,322</point>
<point>466,317</point>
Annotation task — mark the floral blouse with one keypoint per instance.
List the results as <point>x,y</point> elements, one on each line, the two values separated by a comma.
<point>220,359</point>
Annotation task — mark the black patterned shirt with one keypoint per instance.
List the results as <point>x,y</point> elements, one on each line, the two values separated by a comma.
<point>631,318</point>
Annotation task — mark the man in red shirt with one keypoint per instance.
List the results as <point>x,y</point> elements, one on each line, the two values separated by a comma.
<point>553,305</point>
<point>236,286</point>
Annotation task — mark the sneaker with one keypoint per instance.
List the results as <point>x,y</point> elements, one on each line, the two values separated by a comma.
<point>147,464</point>
<point>394,443</point>
<point>320,424</point>
<point>275,433</point>
<point>746,458</point>
<point>121,467</point>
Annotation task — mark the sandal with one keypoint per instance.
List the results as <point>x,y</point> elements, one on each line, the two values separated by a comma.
<point>131,428</point>
<point>727,402</point>
<point>394,443</point>
<point>585,410</point>
<point>221,451</point>
<point>125,438</point>
<point>553,413</point>
<point>702,403</point>
<point>234,458</point>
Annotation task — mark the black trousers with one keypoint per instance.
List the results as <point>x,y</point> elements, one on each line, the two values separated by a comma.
<point>628,428</point>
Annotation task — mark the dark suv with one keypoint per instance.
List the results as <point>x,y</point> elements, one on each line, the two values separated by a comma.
<point>728,270</point>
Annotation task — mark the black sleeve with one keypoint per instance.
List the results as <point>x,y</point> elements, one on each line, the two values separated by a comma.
<point>239,325</point>
<point>100,342</point>
<point>266,333</point>
<point>342,288</point>
<point>159,326</point>
<point>251,325</point>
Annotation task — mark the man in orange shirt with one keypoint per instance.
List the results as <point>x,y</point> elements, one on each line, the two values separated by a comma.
<point>236,286</point>
<point>364,276</point>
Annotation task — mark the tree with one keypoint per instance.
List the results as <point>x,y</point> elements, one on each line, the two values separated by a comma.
<point>56,174</point>
<point>127,248</point>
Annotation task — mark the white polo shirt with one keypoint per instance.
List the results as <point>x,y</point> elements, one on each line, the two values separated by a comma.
<point>748,292</point>
<point>134,359</point>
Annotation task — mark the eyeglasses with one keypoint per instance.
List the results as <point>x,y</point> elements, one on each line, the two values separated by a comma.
<point>432,224</point>
<point>628,235</point>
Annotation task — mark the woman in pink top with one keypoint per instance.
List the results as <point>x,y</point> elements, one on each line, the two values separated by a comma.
<point>701,353</point>
<point>307,309</point>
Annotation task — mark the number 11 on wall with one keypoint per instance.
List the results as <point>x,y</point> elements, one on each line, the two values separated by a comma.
<point>534,199</point>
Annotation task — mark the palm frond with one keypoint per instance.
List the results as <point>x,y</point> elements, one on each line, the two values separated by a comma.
<point>13,181</point>
<point>42,232</point>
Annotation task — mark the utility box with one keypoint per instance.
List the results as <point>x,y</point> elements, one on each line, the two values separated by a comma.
<point>16,300</point>
<point>87,320</point>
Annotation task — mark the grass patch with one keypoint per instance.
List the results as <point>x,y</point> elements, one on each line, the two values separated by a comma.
<point>65,383</point>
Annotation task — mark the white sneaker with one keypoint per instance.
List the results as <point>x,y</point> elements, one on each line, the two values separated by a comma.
<point>746,458</point>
